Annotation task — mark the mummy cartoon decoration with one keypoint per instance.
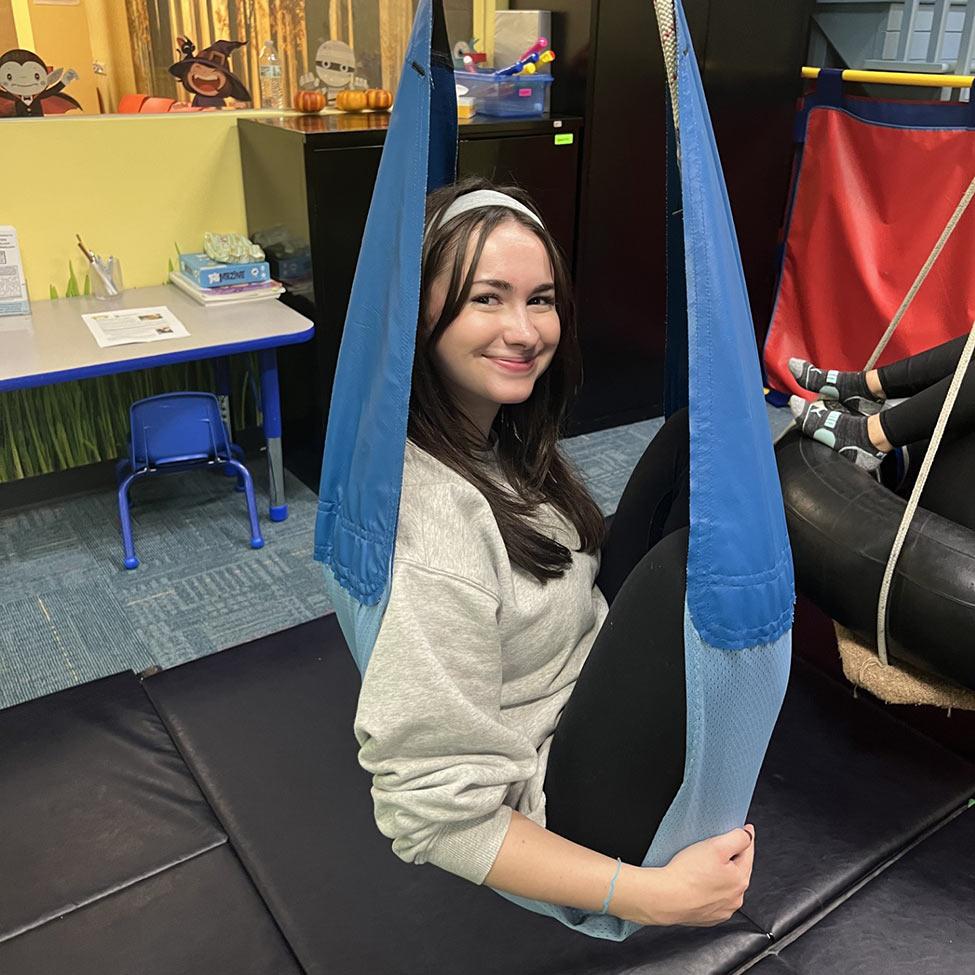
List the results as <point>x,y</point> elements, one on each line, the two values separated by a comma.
<point>335,71</point>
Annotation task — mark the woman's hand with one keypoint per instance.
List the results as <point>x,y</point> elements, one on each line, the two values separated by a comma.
<point>702,885</point>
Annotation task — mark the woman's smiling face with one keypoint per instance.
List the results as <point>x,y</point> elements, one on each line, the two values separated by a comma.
<point>507,332</point>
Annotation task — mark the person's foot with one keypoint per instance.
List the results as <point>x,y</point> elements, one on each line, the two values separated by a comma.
<point>848,388</point>
<point>846,433</point>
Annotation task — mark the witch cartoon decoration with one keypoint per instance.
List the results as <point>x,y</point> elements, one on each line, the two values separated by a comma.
<point>29,90</point>
<point>207,75</point>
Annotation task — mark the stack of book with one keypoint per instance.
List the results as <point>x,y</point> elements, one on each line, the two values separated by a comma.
<point>211,283</point>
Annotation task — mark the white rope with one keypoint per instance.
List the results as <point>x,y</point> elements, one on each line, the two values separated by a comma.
<point>667,25</point>
<point>922,274</point>
<point>912,504</point>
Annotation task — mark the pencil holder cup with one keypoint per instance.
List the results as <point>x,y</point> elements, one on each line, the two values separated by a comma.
<point>106,277</point>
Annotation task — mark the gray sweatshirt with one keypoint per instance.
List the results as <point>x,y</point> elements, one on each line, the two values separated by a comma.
<point>474,661</point>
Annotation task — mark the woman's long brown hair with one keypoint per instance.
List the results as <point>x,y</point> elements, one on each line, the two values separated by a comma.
<point>527,433</point>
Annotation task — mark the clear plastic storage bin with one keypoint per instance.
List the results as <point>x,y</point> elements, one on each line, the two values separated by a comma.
<point>517,96</point>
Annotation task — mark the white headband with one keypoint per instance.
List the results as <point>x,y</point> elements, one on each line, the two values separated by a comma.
<point>485,198</point>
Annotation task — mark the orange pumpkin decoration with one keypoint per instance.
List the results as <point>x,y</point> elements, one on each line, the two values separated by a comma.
<point>379,98</point>
<point>351,101</point>
<point>309,100</point>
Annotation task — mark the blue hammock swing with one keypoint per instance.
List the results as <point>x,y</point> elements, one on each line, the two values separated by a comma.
<point>740,592</point>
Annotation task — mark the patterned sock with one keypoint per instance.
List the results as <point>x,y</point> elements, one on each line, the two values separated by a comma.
<point>850,388</point>
<point>846,433</point>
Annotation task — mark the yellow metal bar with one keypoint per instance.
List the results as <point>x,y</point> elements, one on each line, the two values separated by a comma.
<point>484,25</point>
<point>22,24</point>
<point>900,78</point>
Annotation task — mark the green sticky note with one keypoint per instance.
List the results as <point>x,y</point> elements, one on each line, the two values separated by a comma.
<point>565,139</point>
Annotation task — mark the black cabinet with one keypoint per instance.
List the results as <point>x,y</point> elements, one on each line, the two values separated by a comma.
<point>610,70</point>
<point>310,181</point>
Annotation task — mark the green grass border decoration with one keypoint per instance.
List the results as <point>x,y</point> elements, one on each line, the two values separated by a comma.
<point>54,428</point>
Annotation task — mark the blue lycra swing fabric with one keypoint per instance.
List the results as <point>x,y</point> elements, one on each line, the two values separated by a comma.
<point>362,470</point>
<point>740,591</point>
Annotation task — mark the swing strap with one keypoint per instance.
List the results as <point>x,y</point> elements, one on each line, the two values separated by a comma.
<point>667,25</point>
<point>966,356</point>
<point>914,500</point>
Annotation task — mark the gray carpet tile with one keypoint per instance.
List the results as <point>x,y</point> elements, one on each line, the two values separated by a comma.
<point>70,613</point>
<point>605,459</point>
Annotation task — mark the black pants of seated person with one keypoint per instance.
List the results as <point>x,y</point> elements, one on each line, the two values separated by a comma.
<point>925,378</point>
<point>617,757</point>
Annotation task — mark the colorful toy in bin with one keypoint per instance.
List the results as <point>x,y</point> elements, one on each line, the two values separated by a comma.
<point>466,58</point>
<point>536,54</point>
<point>517,91</point>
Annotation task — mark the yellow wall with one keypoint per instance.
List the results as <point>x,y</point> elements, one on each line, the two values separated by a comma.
<point>109,30</point>
<point>484,24</point>
<point>20,10</point>
<point>61,38</point>
<point>130,185</point>
<point>8,27</point>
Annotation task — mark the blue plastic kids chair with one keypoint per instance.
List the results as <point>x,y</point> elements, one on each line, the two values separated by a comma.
<point>178,432</point>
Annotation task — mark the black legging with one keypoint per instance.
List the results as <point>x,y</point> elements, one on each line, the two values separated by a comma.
<point>925,379</point>
<point>617,758</point>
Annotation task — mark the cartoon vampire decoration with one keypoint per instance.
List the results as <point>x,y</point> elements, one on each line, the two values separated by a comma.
<point>29,90</point>
<point>207,75</point>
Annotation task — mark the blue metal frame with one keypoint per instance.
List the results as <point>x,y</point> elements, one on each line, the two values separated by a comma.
<point>266,349</point>
<point>152,362</point>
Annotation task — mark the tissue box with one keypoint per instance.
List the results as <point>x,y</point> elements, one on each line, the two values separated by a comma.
<point>201,269</point>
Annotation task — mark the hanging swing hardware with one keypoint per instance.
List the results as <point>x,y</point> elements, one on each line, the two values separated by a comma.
<point>908,78</point>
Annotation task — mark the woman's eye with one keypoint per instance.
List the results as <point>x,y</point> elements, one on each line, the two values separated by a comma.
<point>543,300</point>
<point>484,299</point>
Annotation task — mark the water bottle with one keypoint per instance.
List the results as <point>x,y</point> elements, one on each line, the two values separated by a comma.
<point>272,90</point>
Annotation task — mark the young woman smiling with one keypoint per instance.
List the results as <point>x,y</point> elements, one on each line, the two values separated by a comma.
<point>523,712</point>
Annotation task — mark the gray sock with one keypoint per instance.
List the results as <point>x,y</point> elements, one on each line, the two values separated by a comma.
<point>846,433</point>
<point>850,388</point>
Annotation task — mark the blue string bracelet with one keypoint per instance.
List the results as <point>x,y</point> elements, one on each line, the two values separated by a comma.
<point>612,886</point>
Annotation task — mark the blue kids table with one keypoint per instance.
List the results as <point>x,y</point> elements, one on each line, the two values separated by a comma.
<point>53,345</point>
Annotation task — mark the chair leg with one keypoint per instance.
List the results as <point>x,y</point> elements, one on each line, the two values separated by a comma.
<point>257,540</point>
<point>123,468</point>
<point>237,452</point>
<point>130,561</point>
